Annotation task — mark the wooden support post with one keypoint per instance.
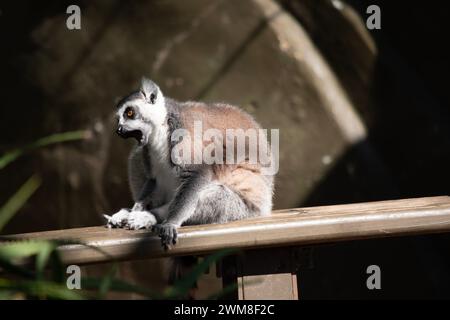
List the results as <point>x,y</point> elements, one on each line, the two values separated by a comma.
<point>264,273</point>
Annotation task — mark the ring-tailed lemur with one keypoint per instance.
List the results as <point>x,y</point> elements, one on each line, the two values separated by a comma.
<point>170,192</point>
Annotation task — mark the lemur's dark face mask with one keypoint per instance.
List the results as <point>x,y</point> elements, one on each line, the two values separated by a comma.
<point>129,114</point>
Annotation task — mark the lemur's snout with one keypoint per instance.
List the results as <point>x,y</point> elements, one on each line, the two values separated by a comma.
<point>121,131</point>
<point>124,133</point>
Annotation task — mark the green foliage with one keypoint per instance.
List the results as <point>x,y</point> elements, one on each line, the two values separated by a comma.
<point>18,200</point>
<point>46,279</point>
<point>39,289</point>
<point>12,155</point>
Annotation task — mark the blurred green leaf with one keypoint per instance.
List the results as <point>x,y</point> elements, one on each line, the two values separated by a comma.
<point>106,283</point>
<point>17,248</point>
<point>12,155</point>
<point>42,259</point>
<point>6,295</point>
<point>24,249</point>
<point>18,200</point>
<point>40,289</point>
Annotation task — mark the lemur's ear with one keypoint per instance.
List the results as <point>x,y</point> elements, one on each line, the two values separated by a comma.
<point>149,89</point>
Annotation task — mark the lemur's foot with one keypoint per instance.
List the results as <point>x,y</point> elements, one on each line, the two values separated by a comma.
<point>140,220</point>
<point>168,234</point>
<point>117,220</point>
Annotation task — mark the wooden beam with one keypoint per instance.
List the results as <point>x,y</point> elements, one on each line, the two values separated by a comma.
<point>291,227</point>
<point>260,278</point>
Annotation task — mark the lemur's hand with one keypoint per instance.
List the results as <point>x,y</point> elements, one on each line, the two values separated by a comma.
<point>131,219</point>
<point>168,234</point>
<point>140,220</point>
<point>117,220</point>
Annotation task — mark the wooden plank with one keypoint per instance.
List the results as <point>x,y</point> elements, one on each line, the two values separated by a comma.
<point>260,278</point>
<point>284,228</point>
<point>279,286</point>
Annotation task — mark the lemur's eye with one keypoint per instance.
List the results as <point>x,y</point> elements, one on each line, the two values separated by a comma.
<point>129,112</point>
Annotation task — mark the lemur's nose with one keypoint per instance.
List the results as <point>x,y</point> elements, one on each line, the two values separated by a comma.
<point>119,130</point>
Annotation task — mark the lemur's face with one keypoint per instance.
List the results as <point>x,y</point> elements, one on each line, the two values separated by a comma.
<point>141,113</point>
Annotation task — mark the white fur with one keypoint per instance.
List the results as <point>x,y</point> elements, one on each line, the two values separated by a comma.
<point>156,113</point>
<point>140,220</point>
<point>118,219</point>
<point>132,219</point>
